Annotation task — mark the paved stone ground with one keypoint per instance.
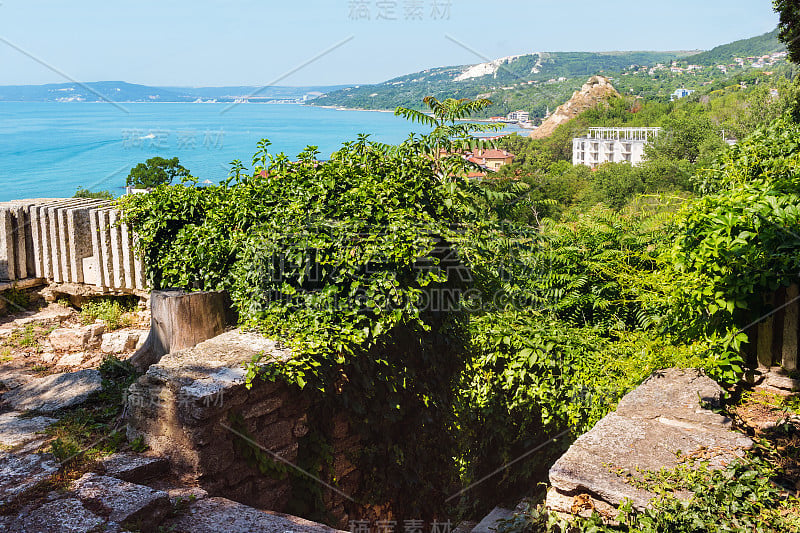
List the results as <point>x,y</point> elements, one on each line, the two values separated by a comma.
<point>663,418</point>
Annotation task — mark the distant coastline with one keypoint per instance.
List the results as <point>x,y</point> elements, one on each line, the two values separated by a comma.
<point>341,108</point>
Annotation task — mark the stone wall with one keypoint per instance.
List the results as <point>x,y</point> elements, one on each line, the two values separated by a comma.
<point>72,240</point>
<point>194,408</point>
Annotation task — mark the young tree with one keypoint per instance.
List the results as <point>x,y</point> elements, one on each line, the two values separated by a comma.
<point>156,171</point>
<point>451,135</point>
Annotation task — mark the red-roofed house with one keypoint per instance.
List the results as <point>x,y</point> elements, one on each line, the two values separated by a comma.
<point>492,159</point>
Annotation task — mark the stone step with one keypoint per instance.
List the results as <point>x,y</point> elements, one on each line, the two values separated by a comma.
<point>66,515</point>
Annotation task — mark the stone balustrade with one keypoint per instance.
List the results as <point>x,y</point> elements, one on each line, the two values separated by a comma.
<point>69,240</point>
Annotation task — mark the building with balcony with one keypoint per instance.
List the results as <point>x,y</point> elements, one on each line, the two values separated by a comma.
<point>612,145</point>
<point>519,116</point>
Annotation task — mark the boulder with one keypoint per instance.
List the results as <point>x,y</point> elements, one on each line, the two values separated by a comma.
<point>123,502</point>
<point>54,392</point>
<point>59,516</point>
<point>20,473</point>
<point>212,515</point>
<point>665,417</point>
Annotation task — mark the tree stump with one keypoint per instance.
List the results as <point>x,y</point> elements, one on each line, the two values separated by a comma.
<point>180,320</point>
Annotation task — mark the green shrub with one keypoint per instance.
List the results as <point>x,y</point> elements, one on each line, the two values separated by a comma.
<point>114,314</point>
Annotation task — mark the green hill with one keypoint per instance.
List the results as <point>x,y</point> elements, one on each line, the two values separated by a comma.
<point>542,80</point>
<point>755,46</point>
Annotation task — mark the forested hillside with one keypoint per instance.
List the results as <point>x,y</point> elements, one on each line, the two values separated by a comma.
<point>543,80</point>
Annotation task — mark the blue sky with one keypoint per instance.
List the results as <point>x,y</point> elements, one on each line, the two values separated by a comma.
<point>249,42</point>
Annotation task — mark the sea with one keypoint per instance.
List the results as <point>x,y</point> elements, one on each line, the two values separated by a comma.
<point>49,150</point>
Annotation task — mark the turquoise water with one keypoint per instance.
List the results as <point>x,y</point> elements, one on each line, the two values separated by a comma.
<point>51,149</point>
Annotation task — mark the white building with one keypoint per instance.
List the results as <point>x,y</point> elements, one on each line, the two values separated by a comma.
<point>611,145</point>
<point>519,116</point>
<point>681,93</point>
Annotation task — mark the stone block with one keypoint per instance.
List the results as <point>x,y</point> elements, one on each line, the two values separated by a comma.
<point>123,341</point>
<point>19,223</point>
<point>106,253</point>
<point>96,265</point>
<point>665,415</point>
<point>7,250</point>
<point>134,467</point>
<point>123,502</point>
<point>80,244</point>
<point>70,339</point>
<point>72,359</point>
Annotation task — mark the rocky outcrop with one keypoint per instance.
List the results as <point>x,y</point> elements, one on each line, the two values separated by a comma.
<point>598,89</point>
<point>664,419</point>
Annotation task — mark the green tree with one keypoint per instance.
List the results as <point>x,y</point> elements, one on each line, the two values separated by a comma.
<point>156,171</point>
<point>789,26</point>
<point>451,136</point>
<point>693,138</point>
<point>83,192</point>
